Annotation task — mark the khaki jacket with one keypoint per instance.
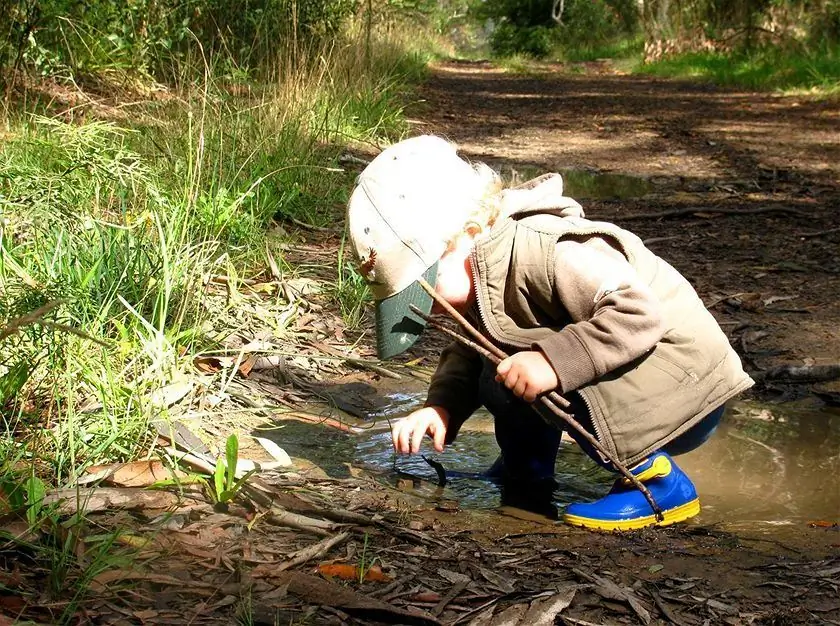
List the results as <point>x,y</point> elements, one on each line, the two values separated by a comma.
<point>619,325</point>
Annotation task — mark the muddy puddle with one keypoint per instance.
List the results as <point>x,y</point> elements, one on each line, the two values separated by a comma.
<point>587,184</point>
<point>767,468</point>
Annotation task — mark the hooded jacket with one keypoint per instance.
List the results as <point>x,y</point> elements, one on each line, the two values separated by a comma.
<point>619,326</point>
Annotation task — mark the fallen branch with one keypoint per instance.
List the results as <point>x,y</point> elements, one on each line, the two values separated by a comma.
<point>820,233</point>
<point>361,363</point>
<point>301,522</point>
<point>652,240</point>
<point>315,551</point>
<point>693,210</point>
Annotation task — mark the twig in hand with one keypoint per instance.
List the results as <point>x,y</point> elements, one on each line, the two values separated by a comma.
<point>552,400</point>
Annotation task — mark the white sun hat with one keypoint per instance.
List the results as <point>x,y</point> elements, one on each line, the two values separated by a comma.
<point>408,204</point>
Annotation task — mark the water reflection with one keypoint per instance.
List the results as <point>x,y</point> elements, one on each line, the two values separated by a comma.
<point>764,465</point>
<point>588,185</point>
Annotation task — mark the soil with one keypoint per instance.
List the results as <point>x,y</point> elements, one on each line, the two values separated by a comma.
<point>753,179</point>
<point>701,148</point>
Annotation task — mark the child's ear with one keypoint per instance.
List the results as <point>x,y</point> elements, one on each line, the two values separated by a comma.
<point>473,228</point>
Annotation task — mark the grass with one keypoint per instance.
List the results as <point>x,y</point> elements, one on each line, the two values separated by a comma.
<point>119,224</point>
<point>617,50</point>
<point>816,71</point>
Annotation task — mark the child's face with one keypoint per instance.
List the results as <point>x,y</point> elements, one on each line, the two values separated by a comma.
<point>455,278</point>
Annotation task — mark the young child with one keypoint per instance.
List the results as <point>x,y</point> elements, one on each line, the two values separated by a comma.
<point>582,307</point>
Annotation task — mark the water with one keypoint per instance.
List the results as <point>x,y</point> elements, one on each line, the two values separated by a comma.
<point>589,185</point>
<point>766,466</point>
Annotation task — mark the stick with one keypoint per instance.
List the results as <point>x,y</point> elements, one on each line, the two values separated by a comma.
<point>818,234</point>
<point>296,520</point>
<point>552,401</point>
<point>316,550</point>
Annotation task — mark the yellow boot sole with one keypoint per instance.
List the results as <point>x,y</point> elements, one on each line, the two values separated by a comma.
<point>671,516</point>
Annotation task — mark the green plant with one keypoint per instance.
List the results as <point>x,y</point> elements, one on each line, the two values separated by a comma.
<point>350,290</point>
<point>225,483</point>
<point>365,563</point>
<point>765,68</point>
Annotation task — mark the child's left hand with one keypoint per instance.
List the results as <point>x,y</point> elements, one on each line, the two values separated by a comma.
<point>527,374</point>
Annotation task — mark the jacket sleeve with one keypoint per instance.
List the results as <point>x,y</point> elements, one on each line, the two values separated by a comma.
<point>616,316</point>
<point>454,386</point>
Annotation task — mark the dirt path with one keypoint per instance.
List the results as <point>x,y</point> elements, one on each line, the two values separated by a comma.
<point>696,147</point>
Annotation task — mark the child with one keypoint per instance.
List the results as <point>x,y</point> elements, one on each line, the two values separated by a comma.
<point>582,307</point>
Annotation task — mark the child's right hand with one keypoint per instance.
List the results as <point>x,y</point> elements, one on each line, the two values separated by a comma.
<point>409,431</point>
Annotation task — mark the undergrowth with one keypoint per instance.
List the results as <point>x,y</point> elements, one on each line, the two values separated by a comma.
<point>115,224</point>
<point>817,71</point>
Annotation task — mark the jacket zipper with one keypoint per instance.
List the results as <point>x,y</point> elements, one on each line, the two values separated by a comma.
<point>599,435</point>
<point>481,314</point>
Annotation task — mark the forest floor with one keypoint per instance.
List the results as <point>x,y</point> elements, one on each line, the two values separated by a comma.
<point>737,190</point>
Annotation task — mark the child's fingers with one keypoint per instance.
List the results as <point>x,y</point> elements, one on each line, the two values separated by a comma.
<point>439,437</point>
<point>503,368</point>
<point>417,438</point>
<point>530,394</point>
<point>402,437</point>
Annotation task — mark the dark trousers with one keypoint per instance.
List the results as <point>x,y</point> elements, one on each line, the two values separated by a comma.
<point>529,444</point>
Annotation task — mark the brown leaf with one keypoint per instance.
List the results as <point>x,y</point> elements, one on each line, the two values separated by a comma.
<point>316,590</point>
<point>137,473</point>
<point>347,571</point>
<point>248,364</point>
<point>207,364</point>
<point>70,501</point>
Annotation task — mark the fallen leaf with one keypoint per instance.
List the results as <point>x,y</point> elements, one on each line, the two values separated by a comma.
<point>247,365</point>
<point>426,596</point>
<point>316,590</point>
<point>347,571</point>
<point>207,364</point>
<point>822,524</point>
<point>656,568</point>
<point>170,394</point>
<point>500,582</point>
<point>278,453</point>
<point>70,501</point>
<point>137,473</point>
<point>544,611</point>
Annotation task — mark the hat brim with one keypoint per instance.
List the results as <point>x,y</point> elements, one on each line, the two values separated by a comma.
<point>397,327</point>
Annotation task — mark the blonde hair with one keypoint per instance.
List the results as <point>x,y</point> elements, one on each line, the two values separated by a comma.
<point>486,206</point>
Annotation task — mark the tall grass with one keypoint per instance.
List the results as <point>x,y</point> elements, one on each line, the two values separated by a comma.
<point>123,223</point>
<point>767,68</point>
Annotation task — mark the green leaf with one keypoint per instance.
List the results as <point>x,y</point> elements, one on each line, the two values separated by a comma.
<point>12,381</point>
<point>231,455</point>
<point>238,484</point>
<point>35,492</point>
<point>219,477</point>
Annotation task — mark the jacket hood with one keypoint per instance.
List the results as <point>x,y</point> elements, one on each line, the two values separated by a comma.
<point>540,195</point>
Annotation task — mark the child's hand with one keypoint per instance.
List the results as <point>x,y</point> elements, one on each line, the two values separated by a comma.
<point>527,374</point>
<point>408,432</point>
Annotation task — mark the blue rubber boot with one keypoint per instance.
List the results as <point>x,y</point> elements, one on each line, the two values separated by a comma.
<point>625,508</point>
